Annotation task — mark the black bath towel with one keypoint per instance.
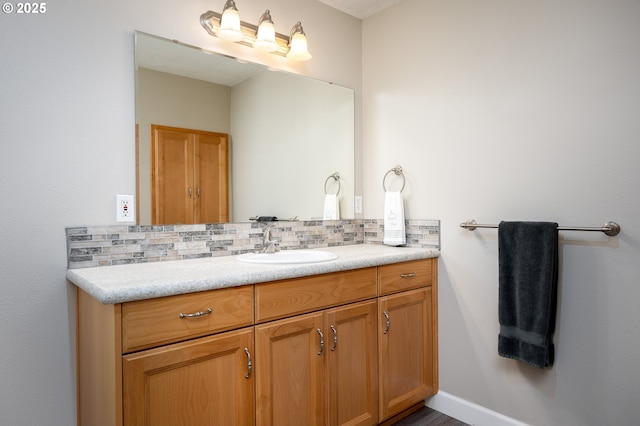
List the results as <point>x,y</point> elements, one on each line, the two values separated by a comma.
<point>528,275</point>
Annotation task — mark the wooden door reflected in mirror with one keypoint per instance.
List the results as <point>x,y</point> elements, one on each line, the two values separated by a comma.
<point>189,176</point>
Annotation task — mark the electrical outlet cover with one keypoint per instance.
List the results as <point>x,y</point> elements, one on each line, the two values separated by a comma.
<point>125,208</point>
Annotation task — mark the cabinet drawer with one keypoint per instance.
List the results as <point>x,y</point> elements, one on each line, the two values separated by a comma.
<point>281,299</point>
<point>404,276</point>
<point>153,322</point>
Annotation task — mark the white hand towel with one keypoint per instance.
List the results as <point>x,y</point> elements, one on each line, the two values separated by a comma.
<point>331,207</point>
<point>394,234</point>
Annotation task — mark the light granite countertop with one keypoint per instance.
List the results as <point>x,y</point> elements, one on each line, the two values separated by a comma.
<point>125,283</point>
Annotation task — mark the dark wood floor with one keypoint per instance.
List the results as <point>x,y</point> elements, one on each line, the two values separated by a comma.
<point>428,417</point>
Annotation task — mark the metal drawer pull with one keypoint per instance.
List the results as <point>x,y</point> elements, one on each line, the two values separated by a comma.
<point>335,338</point>
<point>249,363</point>
<point>321,341</point>
<point>388,322</point>
<point>409,275</point>
<point>190,190</point>
<point>195,314</point>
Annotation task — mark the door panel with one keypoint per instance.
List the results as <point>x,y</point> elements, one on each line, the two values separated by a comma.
<point>289,372</point>
<point>203,381</point>
<point>171,175</point>
<point>212,195</point>
<point>352,389</point>
<point>406,350</point>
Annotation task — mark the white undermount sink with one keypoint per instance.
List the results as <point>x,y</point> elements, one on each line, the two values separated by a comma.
<point>288,256</point>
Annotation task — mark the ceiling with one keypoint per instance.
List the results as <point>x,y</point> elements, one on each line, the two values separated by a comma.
<point>360,8</point>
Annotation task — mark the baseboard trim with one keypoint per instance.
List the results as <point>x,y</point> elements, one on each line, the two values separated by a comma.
<point>469,412</point>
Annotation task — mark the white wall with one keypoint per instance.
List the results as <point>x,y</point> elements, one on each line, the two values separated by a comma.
<point>504,110</point>
<point>67,135</point>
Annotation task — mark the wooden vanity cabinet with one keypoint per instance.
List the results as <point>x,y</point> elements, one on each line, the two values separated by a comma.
<point>354,347</point>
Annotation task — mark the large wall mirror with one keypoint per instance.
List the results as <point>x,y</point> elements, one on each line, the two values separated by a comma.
<point>287,134</point>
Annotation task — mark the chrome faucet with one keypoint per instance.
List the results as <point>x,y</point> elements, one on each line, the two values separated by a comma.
<point>269,245</point>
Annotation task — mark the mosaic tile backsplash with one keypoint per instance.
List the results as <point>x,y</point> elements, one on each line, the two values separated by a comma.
<point>89,246</point>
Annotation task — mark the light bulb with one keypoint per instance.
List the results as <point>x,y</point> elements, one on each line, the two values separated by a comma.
<point>230,23</point>
<point>298,50</point>
<point>266,34</point>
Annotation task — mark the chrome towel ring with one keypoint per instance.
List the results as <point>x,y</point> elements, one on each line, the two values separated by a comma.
<point>336,177</point>
<point>398,171</point>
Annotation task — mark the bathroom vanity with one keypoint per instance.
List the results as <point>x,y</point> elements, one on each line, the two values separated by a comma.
<point>215,341</point>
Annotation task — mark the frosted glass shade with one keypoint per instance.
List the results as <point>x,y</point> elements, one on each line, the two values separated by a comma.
<point>298,48</point>
<point>266,37</point>
<point>230,26</point>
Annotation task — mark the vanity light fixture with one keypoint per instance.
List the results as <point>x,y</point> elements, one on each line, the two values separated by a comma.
<point>263,37</point>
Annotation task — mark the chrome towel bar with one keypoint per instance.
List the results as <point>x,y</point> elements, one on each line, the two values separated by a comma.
<point>609,228</point>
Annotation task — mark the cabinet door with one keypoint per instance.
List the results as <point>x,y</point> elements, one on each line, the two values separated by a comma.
<point>405,339</point>
<point>289,371</point>
<point>205,381</point>
<point>352,374</point>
